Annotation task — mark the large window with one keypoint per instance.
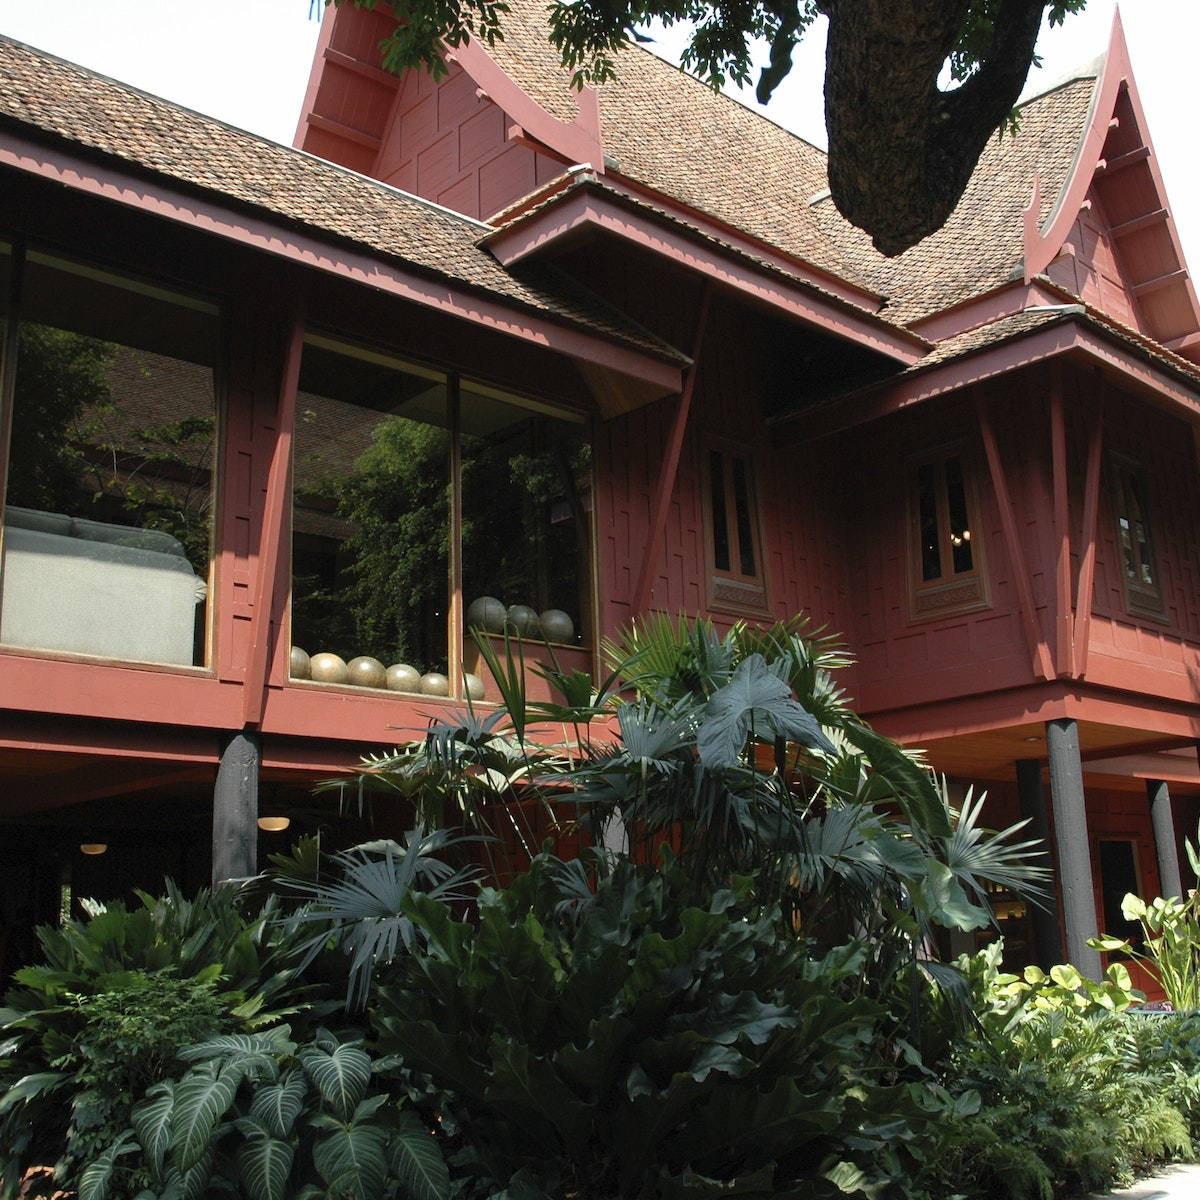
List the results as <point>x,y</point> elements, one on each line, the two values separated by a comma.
<point>1143,590</point>
<point>945,553</point>
<point>110,417</point>
<point>410,487</point>
<point>737,573</point>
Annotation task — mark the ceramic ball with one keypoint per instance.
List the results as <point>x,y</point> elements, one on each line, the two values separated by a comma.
<point>403,678</point>
<point>557,626</point>
<point>486,613</point>
<point>474,685</point>
<point>329,668</point>
<point>523,620</point>
<point>300,665</point>
<point>433,683</point>
<point>367,672</point>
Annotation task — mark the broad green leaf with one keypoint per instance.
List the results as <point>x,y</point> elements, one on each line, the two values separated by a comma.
<point>278,1105</point>
<point>265,1163</point>
<point>202,1098</point>
<point>152,1123</point>
<point>351,1159</point>
<point>341,1076</point>
<point>29,1086</point>
<point>417,1160</point>
<point>911,783</point>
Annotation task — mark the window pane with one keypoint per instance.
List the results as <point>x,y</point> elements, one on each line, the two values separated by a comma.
<point>109,495</point>
<point>931,552</point>
<point>960,524</point>
<point>526,533</point>
<point>370,516</point>
<point>741,498</point>
<point>1135,533</point>
<point>720,520</point>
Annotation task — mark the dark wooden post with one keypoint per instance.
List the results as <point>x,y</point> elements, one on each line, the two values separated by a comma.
<point>1047,933</point>
<point>1170,882</point>
<point>1074,846</point>
<point>235,808</point>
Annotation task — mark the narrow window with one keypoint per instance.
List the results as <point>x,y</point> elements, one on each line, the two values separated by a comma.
<point>945,556</point>
<point>1143,591</point>
<point>737,580</point>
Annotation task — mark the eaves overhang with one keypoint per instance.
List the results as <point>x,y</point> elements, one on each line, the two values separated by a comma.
<point>652,367</point>
<point>1037,336</point>
<point>585,207</point>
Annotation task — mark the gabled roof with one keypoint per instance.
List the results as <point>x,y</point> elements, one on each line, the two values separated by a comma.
<point>55,116</point>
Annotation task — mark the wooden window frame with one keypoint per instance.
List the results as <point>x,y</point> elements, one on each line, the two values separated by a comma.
<point>730,588</point>
<point>1142,599</point>
<point>951,592</point>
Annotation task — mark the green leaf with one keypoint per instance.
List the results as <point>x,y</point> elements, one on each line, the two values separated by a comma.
<point>152,1123</point>
<point>341,1076</point>
<point>912,784</point>
<point>29,1086</point>
<point>350,1159</point>
<point>202,1098</point>
<point>418,1161</point>
<point>278,1105</point>
<point>265,1163</point>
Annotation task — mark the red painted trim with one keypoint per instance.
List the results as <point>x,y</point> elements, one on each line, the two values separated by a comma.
<point>920,385</point>
<point>1091,512</point>
<point>579,141</point>
<point>360,267</point>
<point>665,487</point>
<point>984,309</point>
<point>1064,631</point>
<point>1043,667</point>
<point>581,211</point>
<point>315,74</point>
<point>276,508</point>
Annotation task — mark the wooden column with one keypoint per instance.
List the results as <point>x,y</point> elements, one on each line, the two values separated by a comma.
<point>1076,889</point>
<point>1047,936</point>
<point>235,808</point>
<point>1170,882</point>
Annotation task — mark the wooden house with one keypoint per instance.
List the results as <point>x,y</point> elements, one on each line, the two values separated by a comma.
<point>592,354</point>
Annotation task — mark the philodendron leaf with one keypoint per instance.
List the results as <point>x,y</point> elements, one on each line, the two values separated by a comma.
<point>96,1177</point>
<point>351,1159</point>
<point>279,1104</point>
<point>757,700</point>
<point>341,1076</point>
<point>418,1161</point>
<point>202,1098</point>
<point>265,1163</point>
<point>152,1123</point>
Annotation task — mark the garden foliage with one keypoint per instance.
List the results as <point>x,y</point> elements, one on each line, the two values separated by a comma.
<point>734,991</point>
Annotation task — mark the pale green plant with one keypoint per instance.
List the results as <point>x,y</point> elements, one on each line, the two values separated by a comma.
<point>1171,940</point>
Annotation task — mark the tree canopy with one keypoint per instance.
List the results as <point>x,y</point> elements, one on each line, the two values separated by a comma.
<point>901,147</point>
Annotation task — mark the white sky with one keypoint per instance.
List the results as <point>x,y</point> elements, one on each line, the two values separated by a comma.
<point>247,62</point>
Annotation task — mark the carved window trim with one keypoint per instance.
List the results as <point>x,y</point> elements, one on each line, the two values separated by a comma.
<point>945,564</point>
<point>735,555</point>
<point>1133,529</point>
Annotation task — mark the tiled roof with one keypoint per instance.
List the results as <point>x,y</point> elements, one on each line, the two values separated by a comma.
<point>665,129</point>
<point>981,246</point>
<point>102,118</point>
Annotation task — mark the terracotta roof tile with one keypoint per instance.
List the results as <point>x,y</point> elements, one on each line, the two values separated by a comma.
<point>665,129</point>
<point>981,246</point>
<point>104,118</point>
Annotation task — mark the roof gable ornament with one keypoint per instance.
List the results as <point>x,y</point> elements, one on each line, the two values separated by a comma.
<point>1115,162</point>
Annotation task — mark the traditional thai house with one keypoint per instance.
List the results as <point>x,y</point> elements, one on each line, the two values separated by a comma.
<point>273,415</point>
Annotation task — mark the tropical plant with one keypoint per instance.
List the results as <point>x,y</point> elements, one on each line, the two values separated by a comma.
<point>263,1117</point>
<point>1170,942</point>
<point>97,1021</point>
<point>601,1030</point>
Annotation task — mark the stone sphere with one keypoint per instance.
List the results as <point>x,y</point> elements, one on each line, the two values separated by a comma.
<point>474,685</point>
<point>403,678</point>
<point>300,665</point>
<point>328,668</point>
<point>486,613</point>
<point>523,621</point>
<point>557,626</point>
<point>365,671</point>
<point>433,683</point>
